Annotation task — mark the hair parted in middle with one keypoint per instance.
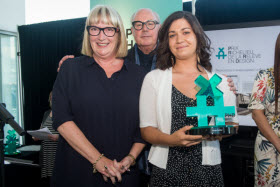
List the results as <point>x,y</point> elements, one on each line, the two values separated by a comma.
<point>107,15</point>
<point>203,50</point>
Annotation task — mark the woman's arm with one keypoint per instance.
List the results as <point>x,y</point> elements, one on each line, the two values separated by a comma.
<point>265,128</point>
<point>136,149</point>
<point>257,105</point>
<point>178,138</point>
<point>130,159</point>
<point>77,140</point>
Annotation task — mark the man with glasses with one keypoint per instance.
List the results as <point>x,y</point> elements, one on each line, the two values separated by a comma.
<point>145,27</point>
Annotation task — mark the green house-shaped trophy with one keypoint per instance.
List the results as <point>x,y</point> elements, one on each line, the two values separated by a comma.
<point>218,111</point>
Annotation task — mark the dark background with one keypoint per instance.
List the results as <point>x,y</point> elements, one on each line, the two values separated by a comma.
<point>41,48</point>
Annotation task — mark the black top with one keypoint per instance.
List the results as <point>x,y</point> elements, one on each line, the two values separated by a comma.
<point>131,55</point>
<point>145,59</point>
<point>145,62</point>
<point>184,164</point>
<point>105,109</point>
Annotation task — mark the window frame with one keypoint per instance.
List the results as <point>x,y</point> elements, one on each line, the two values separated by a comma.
<point>19,80</point>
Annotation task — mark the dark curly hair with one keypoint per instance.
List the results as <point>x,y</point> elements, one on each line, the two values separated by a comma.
<point>203,49</point>
<point>276,72</point>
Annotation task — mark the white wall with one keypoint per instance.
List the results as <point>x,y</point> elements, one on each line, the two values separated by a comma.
<point>12,14</point>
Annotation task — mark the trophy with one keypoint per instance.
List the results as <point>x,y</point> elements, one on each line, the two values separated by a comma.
<point>218,111</point>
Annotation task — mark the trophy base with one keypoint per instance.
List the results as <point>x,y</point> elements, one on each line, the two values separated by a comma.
<point>213,130</point>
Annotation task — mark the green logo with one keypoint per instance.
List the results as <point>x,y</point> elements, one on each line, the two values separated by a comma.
<point>221,53</point>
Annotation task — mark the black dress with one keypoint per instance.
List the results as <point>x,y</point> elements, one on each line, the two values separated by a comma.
<point>184,163</point>
<point>105,109</point>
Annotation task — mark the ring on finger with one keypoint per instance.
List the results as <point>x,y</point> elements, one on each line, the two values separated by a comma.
<point>105,167</point>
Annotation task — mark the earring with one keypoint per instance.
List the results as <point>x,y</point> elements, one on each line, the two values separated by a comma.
<point>198,59</point>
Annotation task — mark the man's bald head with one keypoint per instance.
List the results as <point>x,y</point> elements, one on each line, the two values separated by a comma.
<point>156,16</point>
<point>146,38</point>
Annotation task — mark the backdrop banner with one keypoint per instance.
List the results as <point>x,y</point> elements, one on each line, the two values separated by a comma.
<point>240,53</point>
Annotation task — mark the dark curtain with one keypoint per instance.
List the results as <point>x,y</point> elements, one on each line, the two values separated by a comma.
<point>187,6</point>
<point>213,12</point>
<point>41,48</point>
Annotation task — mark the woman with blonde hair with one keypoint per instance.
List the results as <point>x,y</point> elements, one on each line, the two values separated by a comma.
<point>96,109</point>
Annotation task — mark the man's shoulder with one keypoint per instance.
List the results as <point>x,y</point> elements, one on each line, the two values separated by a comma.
<point>131,65</point>
<point>81,59</point>
<point>78,61</point>
<point>131,54</point>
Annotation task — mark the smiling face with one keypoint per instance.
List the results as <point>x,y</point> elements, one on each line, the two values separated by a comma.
<point>182,40</point>
<point>146,38</point>
<point>103,46</point>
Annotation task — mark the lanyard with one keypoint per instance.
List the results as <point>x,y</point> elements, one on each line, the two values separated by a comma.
<point>138,60</point>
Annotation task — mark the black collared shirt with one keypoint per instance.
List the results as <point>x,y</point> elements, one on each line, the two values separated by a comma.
<point>146,60</point>
<point>105,109</point>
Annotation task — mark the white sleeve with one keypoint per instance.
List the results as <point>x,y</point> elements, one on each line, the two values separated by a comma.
<point>148,97</point>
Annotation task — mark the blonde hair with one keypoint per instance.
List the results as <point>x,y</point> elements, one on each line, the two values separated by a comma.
<point>106,15</point>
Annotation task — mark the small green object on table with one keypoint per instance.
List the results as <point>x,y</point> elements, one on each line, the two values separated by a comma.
<point>12,143</point>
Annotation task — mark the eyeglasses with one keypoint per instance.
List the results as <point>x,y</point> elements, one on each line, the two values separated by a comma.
<point>108,31</point>
<point>138,25</point>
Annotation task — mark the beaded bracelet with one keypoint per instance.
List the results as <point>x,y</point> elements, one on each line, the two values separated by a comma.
<point>94,164</point>
<point>133,158</point>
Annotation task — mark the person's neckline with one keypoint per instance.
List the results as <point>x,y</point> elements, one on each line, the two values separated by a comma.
<point>142,53</point>
<point>184,94</point>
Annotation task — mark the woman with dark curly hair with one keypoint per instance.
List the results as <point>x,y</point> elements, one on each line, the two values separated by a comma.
<point>180,159</point>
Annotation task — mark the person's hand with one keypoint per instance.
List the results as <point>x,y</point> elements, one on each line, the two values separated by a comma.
<point>35,139</point>
<point>53,137</point>
<point>180,138</point>
<point>124,164</point>
<point>106,167</point>
<point>231,84</point>
<point>62,60</point>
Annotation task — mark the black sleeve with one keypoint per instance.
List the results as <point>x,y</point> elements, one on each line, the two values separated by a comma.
<point>137,134</point>
<point>61,105</point>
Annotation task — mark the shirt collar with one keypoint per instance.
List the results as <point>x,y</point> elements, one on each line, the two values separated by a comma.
<point>92,62</point>
<point>151,53</point>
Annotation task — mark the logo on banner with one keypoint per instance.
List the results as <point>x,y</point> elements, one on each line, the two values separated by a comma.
<point>237,55</point>
<point>221,53</point>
